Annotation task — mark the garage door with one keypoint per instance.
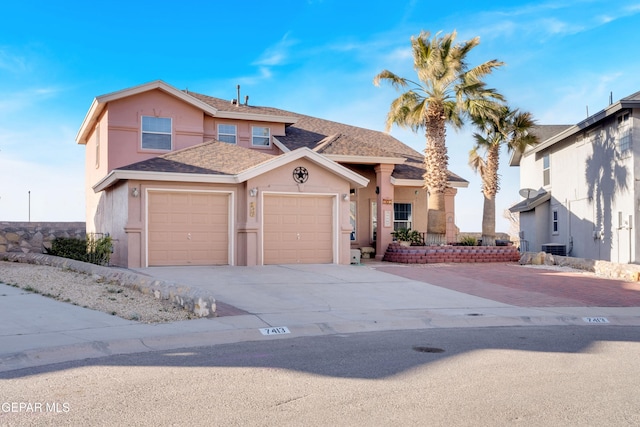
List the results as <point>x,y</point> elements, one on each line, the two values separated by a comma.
<point>188,228</point>
<point>298,230</point>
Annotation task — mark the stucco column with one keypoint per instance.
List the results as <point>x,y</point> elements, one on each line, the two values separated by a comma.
<point>450,212</point>
<point>384,204</point>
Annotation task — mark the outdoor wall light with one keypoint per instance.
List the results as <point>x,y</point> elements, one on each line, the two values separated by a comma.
<point>135,192</point>
<point>345,197</point>
<point>253,192</point>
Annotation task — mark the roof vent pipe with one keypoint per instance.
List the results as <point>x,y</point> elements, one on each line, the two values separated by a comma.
<point>246,100</point>
<point>238,98</point>
<point>610,97</point>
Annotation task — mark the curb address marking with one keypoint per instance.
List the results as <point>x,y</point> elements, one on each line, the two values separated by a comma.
<point>278,330</point>
<point>595,319</point>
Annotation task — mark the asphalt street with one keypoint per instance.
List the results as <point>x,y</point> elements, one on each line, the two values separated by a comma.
<point>551,375</point>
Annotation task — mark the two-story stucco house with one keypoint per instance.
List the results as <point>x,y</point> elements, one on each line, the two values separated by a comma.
<point>180,178</point>
<point>582,186</point>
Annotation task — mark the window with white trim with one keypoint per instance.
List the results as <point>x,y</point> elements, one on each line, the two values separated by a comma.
<point>260,136</point>
<point>156,133</point>
<point>227,133</point>
<point>624,133</point>
<point>401,216</point>
<point>374,220</point>
<point>554,222</point>
<point>546,170</point>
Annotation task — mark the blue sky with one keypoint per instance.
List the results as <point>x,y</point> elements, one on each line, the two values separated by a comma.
<point>315,57</point>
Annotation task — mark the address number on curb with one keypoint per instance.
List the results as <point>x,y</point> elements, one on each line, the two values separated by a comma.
<point>595,319</point>
<point>275,331</point>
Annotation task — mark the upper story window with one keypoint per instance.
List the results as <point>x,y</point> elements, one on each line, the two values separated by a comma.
<point>624,133</point>
<point>260,136</point>
<point>227,133</point>
<point>546,170</point>
<point>156,133</point>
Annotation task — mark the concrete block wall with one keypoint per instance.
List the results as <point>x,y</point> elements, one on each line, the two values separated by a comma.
<point>33,237</point>
<point>450,254</point>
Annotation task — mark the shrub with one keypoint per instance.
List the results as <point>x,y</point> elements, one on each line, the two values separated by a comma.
<point>407,235</point>
<point>468,241</point>
<point>95,251</point>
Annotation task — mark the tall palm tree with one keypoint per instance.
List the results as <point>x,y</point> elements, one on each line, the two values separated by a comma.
<point>510,128</point>
<point>446,92</point>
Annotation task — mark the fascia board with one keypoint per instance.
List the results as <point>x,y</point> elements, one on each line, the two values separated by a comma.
<point>402,182</point>
<point>280,145</point>
<point>299,153</point>
<point>118,175</point>
<point>365,160</point>
<point>92,114</point>
<point>255,117</point>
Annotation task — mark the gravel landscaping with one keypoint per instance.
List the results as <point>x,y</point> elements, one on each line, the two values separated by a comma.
<point>91,291</point>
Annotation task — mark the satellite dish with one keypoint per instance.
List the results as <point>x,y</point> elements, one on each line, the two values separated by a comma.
<point>528,193</point>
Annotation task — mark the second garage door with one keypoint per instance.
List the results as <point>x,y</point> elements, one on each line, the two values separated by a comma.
<point>188,228</point>
<point>298,229</point>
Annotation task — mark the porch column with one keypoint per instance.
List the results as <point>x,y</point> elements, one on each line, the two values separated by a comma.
<point>384,212</point>
<point>450,212</point>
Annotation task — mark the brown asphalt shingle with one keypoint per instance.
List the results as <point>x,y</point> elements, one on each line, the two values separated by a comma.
<point>212,157</point>
<point>329,137</point>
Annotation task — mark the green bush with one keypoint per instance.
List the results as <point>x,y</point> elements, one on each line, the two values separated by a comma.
<point>407,235</point>
<point>468,241</point>
<point>92,249</point>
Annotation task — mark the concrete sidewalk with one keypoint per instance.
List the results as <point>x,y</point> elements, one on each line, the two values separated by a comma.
<point>307,299</point>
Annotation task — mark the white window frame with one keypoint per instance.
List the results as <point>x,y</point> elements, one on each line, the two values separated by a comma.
<point>408,223</point>
<point>546,170</point>
<point>266,138</point>
<point>144,132</point>
<point>624,132</point>
<point>222,135</point>
<point>353,219</point>
<point>374,220</point>
<point>555,222</point>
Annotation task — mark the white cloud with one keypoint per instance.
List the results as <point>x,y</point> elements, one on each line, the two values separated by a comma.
<point>15,64</point>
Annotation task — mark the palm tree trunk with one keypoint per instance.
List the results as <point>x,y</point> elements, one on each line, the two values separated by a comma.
<point>490,186</point>
<point>436,177</point>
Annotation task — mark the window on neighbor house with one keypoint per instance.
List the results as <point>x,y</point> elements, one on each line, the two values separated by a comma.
<point>546,170</point>
<point>401,215</point>
<point>352,219</point>
<point>156,133</point>
<point>624,133</point>
<point>554,222</point>
<point>98,145</point>
<point>260,136</point>
<point>227,133</point>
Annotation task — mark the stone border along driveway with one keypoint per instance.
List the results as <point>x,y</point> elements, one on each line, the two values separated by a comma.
<point>189,299</point>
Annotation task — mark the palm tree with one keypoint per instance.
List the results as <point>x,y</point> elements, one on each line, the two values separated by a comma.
<point>446,92</point>
<point>507,127</point>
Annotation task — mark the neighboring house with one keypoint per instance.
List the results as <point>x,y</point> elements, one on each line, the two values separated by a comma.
<point>585,186</point>
<point>179,178</point>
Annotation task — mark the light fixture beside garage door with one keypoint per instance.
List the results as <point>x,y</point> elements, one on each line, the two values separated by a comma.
<point>300,175</point>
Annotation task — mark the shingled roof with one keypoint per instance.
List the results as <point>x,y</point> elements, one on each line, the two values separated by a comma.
<point>333,138</point>
<point>212,157</point>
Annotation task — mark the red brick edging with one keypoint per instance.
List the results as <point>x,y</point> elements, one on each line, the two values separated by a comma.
<point>450,254</point>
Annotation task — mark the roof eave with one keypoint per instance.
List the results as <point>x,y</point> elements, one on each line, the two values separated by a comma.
<point>120,175</point>
<point>404,182</point>
<point>255,117</point>
<point>365,160</point>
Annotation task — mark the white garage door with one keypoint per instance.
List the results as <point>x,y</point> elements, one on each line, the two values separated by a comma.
<point>188,228</point>
<point>298,229</point>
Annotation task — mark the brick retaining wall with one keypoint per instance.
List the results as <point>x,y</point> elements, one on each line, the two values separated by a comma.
<point>450,254</point>
<point>32,237</point>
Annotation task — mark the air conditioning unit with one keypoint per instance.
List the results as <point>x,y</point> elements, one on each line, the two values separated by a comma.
<point>555,249</point>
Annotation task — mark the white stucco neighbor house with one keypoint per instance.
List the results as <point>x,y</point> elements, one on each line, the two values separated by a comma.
<point>581,186</point>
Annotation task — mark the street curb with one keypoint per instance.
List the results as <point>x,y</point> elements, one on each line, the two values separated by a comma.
<point>192,300</point>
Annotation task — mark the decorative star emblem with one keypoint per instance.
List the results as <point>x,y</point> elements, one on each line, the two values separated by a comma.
<point>300,175</point>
